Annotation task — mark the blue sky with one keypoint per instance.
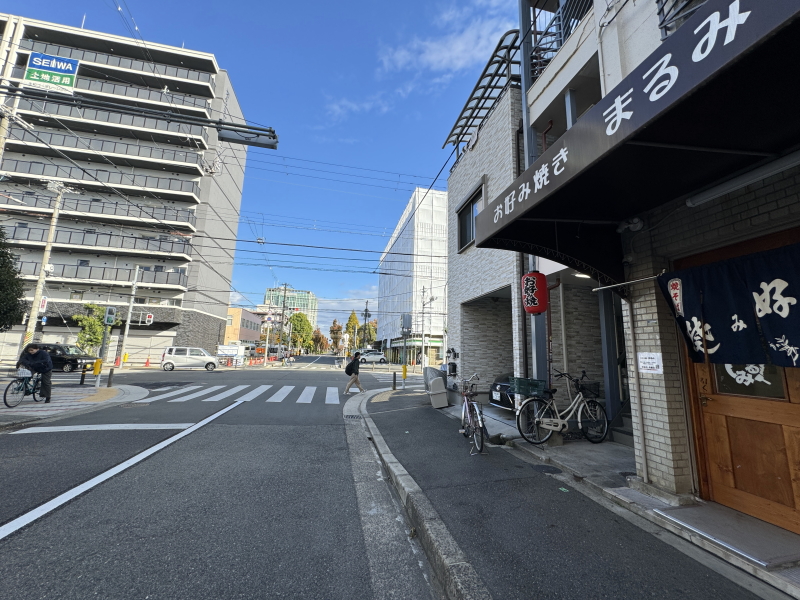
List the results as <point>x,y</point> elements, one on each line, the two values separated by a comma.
<point>373,85</point>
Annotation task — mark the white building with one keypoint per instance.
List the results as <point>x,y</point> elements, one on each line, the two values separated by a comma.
<point>413,278</point>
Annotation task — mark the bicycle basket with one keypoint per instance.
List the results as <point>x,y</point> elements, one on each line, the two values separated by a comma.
<point>20,373</point>
<point>590,389</point>
<point>526,387</point>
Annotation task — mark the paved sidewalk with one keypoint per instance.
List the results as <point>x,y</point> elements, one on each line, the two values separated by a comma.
<point>505,525</point>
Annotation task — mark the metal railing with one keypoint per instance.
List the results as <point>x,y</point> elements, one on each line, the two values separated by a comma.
<point>99,176</point>
<point>672,14</point>
<point>106,274</point>
<point>117,61</point>
<point>104,116</point>
<point>102,207</point>
<point>108,146</point>
<point>105,240</point>
<point>550,31</point>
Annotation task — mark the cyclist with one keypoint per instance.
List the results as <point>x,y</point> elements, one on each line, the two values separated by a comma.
<point>38,360</point>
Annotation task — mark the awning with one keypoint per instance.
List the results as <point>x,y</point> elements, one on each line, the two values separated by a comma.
<point>719,97</point>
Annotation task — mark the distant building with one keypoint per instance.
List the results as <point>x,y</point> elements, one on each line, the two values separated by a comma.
<point>296,301</point>
<point>242,327</point>
<point>414,270</point>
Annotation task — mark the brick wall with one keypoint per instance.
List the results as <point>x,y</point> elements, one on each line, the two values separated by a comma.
<point>486,339</point>
<point>201,330</point>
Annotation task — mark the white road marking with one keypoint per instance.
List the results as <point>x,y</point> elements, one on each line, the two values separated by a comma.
<point>169,394</point>
<point>307,395</point>
<point>164,389</point>
<point>111,427</point>
<point>213,388</point>
<point>254,394</point>
<point>313,361</point>
<point>281,394</point>
<point>332,395</point>
<point>226,393</point>
<point>53,504</point>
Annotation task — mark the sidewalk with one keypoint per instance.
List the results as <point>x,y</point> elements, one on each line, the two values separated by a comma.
<point>525,521</point>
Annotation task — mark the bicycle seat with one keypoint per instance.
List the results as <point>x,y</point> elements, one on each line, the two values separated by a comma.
<point>551,391</point>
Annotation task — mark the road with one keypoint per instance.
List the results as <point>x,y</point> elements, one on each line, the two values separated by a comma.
<point>232,484</point>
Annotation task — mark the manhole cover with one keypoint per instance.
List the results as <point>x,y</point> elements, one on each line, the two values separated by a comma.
<point>546,469</point>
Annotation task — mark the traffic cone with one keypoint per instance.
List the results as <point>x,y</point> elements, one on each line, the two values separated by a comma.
<point>116,362</point>
<point>147,362</point>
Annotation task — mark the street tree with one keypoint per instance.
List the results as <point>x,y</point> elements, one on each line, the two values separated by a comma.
<point>12,304</point>
<point>352,329</point>
<point>371,333</point>
<point>320,341</point>
<point>301,331</point>
<point>90,337</point>
<point>336,334</point>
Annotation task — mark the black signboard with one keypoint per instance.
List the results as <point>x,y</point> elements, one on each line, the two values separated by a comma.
<point>718,34</point>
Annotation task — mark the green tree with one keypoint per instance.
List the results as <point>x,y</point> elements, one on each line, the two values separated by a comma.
<point>90,337</point>
<point>352,329</point>
<point>372,332</point>
<point>12,305</point>
<point>336,334</point>
<point>301,331</point>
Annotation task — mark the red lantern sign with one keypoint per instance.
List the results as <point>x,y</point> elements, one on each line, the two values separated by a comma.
<point>534,293</point>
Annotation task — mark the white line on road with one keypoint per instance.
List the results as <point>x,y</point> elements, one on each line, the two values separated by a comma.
<point>111,427</point>
<point>307,395</point>
<point>332,396</point>
<point>315,360</point>
<point>281,394</point>
<point>213,388</point>
<point>170,394</point>
<point>254,394</point>
<point>53,504</point>
<point>226,393</point>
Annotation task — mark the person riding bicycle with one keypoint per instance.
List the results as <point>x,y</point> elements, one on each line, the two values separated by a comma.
<point>38,360</point>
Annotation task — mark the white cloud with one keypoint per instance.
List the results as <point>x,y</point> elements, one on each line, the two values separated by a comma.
<point>340,109</point>
<point>237,298</point>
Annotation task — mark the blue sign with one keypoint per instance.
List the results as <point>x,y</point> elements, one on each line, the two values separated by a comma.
<point>55,64</point>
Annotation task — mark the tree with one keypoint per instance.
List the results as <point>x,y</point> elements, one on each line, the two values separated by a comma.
<point>372,331</point>
<point>352,329</point>
<point>301,330</point>
<point>320,341</point>
<point>12,305</point>
<point>90,337</point>
<point>336,334</point>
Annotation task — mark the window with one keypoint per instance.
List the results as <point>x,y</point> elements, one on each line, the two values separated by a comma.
<point>76,295</point>
<point>230,321</point>
<point>83,263</point>
<point>175,302</point>
<point>466,220</point>
<point>180,352</point>
<point>140,300</point>
<point>158,268</point>
<point>22,225</point>
<point>196,352</point>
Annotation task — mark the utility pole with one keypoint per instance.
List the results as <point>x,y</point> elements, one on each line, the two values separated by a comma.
<point>424,304</point>
<point>367,315</point>
<point>283,316</point>
<point>130,315</point>
<point>59,188</point>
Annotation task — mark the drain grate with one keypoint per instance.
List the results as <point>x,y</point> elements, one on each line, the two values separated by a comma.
<point>352,416</point>
<point>132,405</point>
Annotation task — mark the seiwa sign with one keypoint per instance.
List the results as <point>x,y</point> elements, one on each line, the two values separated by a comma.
<point>51,72</point>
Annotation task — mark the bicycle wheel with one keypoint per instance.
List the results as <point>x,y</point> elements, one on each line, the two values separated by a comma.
<point>594,422</point>
<point>532,410</point>
<point>477,428</point>
<point>15,392</point>
<point>466,430</point>
<point>37,389</point>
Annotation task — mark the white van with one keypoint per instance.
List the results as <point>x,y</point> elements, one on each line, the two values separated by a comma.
<point>181,357</point>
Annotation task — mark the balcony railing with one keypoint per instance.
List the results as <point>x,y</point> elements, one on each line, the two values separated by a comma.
<point>102,207</point>
<point>551,29</point>
<point>99,176</point>
<point>117,61</point>
<point>103,116</point>
<point>672,14</point>
<point>106,274</point>
<point>105,240</point>
<point>107,146</point>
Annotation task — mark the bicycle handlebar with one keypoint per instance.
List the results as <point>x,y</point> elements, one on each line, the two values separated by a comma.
<point>560,374</point>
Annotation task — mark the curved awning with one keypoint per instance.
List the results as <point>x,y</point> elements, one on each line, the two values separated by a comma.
<point>718,98</point>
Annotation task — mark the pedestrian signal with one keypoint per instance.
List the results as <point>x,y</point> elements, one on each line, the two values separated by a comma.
<point>148,320</point>
<point>111,316</point>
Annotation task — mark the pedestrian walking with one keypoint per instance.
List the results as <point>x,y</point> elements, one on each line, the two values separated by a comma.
<point>37,360</point>
<point>352,370</point>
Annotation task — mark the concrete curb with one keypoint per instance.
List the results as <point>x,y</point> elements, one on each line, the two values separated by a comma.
<point>457,576</point>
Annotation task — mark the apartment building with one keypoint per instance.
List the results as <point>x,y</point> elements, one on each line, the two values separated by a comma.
<point>637,175</point>
<point>142,190</point>
<point>242,327</point>
<point>275,299</point>
<point>413,280</point>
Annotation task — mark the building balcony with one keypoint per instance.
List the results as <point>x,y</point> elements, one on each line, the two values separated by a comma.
<point>59,116</point>
<point>119,153</point>
<point>195,81</point>
<point>105,275</point>
<point>105,243</point>
<point>553,21</point>
<point>100,180</point>
<point>99,210</point>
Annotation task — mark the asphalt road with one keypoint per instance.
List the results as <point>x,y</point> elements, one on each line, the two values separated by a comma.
<point>274,495</point>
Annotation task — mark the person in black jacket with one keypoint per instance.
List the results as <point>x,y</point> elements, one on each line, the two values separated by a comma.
<point>353,368</point>
<point>38,360</point>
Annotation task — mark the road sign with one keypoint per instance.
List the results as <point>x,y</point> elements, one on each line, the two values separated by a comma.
<point>110,316</point>
<point>51,73</point>
<point>148,319</point>
<point>44,320</point>
<point>43,304</point>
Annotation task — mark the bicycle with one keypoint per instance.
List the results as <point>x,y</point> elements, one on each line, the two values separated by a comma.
<point>539,417</point>
<point>472,414</point>
<point>24,384</point>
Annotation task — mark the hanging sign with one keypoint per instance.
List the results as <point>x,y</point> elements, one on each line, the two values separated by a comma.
<point>51,73</point>
<point>534,293</point>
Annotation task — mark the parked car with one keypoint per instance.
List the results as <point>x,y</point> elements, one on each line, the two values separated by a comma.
<point>180,357</point>
<point>500,395</point>
<point>67,357</point>
<point>373,356</point>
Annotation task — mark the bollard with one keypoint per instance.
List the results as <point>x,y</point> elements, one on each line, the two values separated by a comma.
<point>110,376</point>
<point>394,380</point>
<point>83,374</point>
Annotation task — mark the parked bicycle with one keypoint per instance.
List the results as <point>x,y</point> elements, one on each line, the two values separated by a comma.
<point>539,417</point>
<point>23,384</point>
<point>472,414</point>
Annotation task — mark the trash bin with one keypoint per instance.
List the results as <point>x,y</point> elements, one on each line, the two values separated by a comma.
<point>438,393</point>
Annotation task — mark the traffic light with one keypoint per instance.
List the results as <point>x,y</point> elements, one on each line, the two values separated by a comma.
<point>110,316</point>
<point>148,320</point>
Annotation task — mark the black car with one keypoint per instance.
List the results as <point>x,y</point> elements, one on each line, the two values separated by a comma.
<point>499,394</point>
<point>67,357</point>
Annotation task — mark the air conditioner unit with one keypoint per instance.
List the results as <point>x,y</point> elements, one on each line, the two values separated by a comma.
<point>49,268</point>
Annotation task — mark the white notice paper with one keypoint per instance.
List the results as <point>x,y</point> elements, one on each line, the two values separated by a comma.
<point>650,362</point>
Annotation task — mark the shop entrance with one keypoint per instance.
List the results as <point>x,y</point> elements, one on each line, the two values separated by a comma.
<point>747,423</point>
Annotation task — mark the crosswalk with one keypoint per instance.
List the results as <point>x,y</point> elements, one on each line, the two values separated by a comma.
<point>247,393</point>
